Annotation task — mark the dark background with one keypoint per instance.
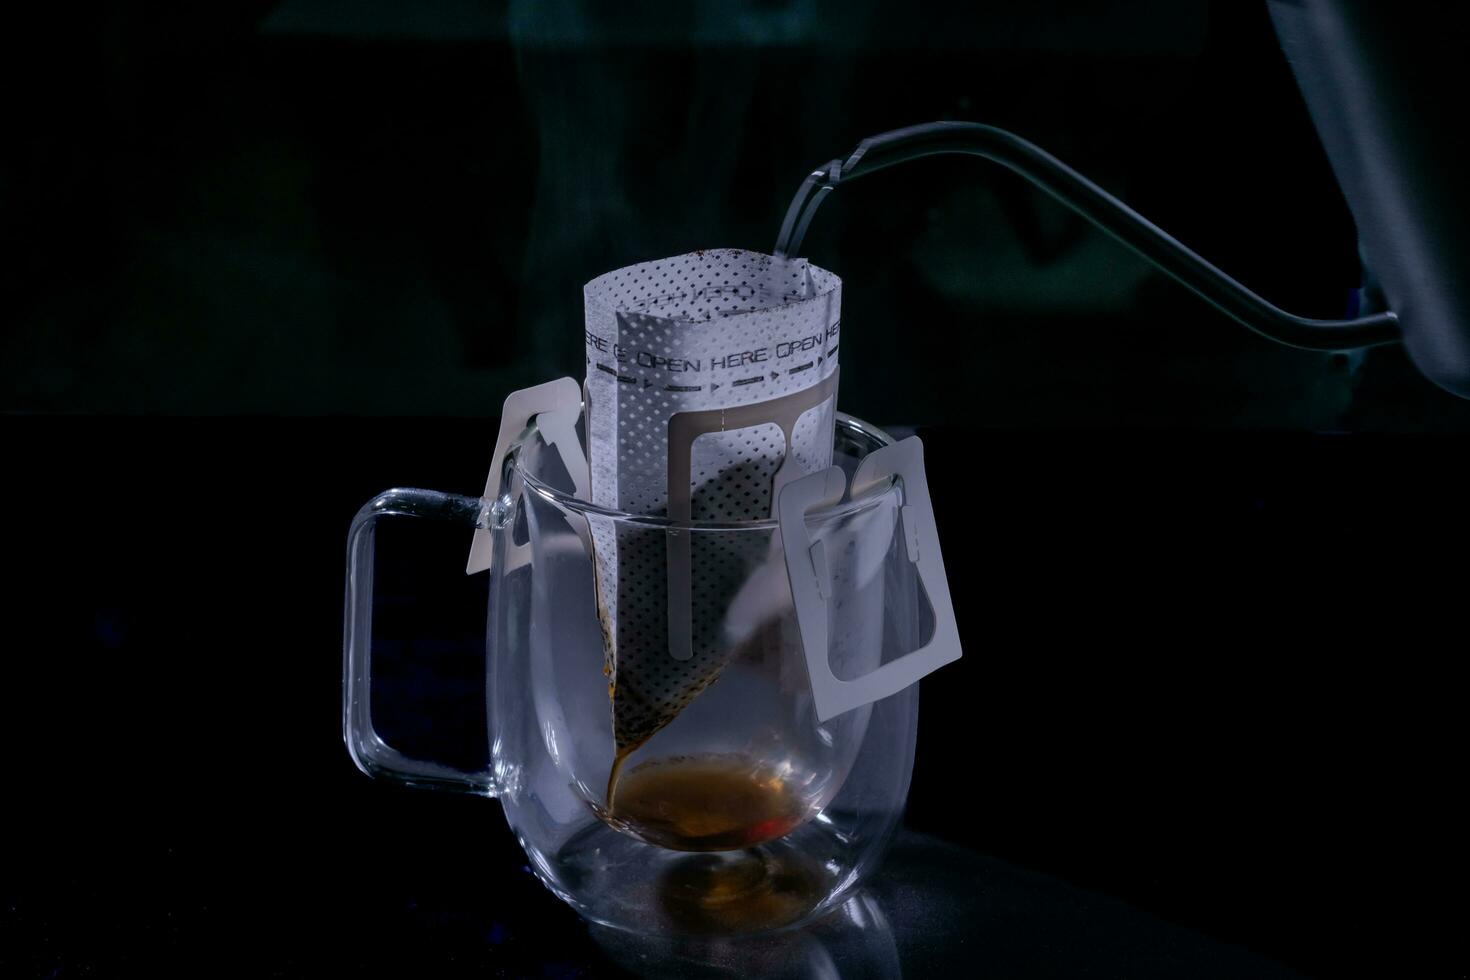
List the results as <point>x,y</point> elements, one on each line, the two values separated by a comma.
<point>388,209</point>
<point>261,261</point>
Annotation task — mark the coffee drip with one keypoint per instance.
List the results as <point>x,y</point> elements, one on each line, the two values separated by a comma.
<point>711,383</point>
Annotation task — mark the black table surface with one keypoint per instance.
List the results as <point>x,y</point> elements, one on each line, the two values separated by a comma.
<point>1208,722</point>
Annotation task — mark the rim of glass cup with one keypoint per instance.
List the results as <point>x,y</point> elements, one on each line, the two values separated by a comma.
<point>571,502</point>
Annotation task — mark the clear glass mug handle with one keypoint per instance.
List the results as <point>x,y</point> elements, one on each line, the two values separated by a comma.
<point>373,755</point>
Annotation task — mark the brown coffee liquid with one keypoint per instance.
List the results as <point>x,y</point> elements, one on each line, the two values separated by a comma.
<point>704,803</point>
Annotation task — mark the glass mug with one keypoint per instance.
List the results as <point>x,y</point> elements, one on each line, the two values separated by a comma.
<point>756,807</point>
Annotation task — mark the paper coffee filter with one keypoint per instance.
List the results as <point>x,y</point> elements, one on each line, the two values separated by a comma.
<point>714,332</point>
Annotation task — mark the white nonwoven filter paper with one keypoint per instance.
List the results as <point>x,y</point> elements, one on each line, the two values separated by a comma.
<point>706,332</point>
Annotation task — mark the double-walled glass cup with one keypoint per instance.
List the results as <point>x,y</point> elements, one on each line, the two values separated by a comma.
<point>745,812</point>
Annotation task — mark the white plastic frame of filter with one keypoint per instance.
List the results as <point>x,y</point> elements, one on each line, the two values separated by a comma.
<point>554,408</point>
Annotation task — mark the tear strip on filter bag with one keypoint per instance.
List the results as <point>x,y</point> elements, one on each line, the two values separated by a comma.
<point>689,339</point>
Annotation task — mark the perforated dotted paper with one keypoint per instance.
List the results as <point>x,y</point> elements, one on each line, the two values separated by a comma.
<point>713,329</point>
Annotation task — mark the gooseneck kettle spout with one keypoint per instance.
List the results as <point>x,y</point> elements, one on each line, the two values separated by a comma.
<point>1096,205</point>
